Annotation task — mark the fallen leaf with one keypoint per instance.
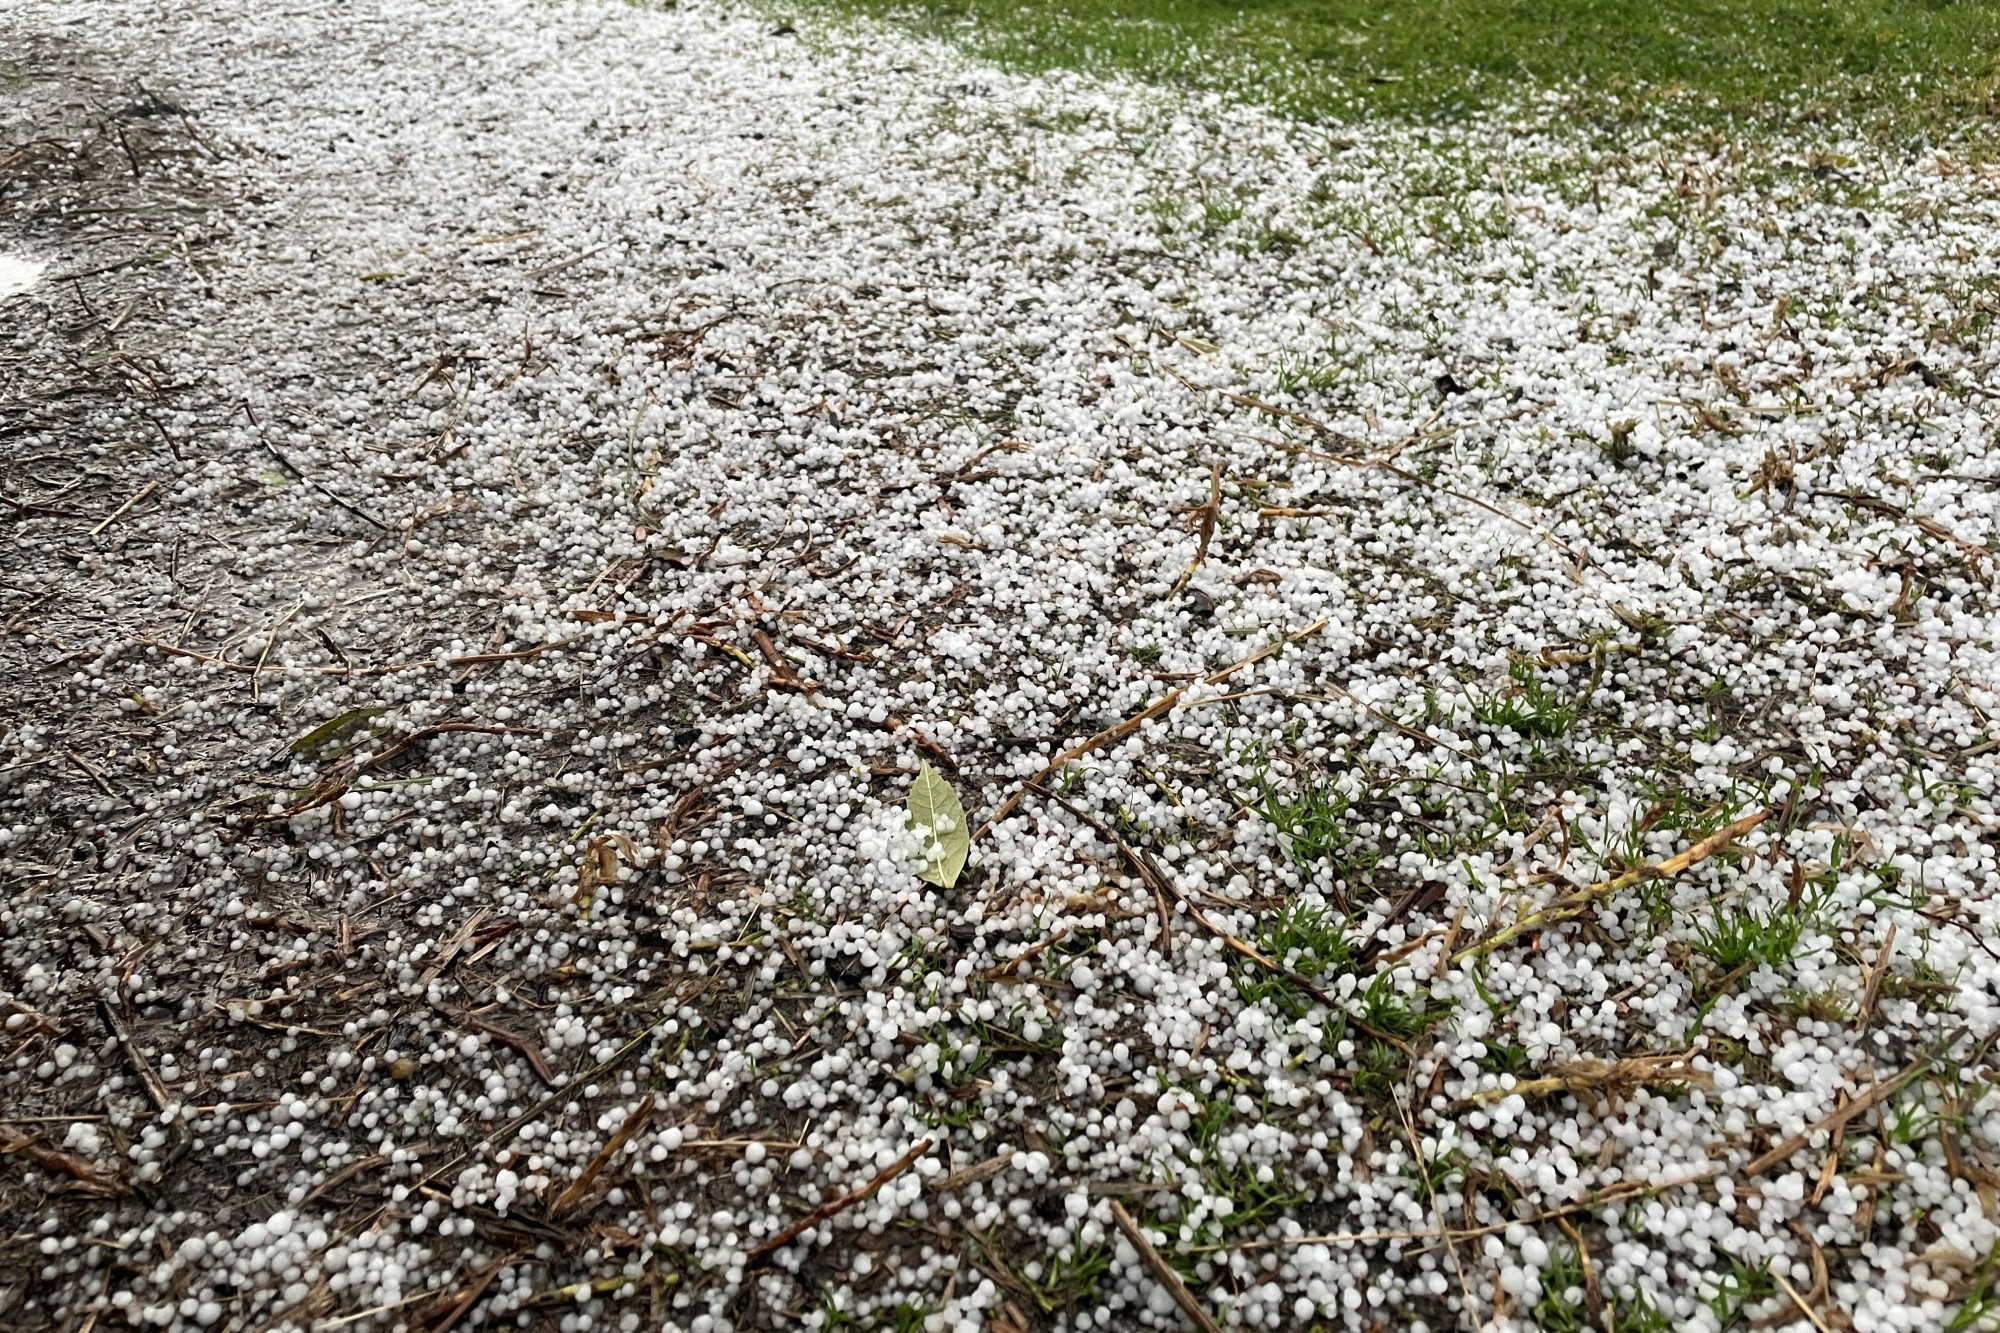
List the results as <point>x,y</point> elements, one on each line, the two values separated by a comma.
<point>937,817</point>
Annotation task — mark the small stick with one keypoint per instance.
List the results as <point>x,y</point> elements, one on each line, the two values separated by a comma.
<point>1163,1271</point>
<point>372,1311</point>
<point>451,947</point>
<point>762,1254</point>
<point>91,772</point>
<point>1147,872</point>
<point>1976,555</point>
<point>1597,1199</point>
<point>1881,1092</point>
<point>1383,465</point>
<point>303,476</point>
<point>193,656</point>
<point>270,640</point>
<point>1604,1076</point>
<point>634,1122</point>
<point>1867,1013</point>
<point>119,512</point>
<point>985,1170</point>
<point>475,659</point>
<point>1033,950</point>
<point>1831,1168</point>
<point>342,1176</point>
<point>513,1039</point>
<point>1565,909</point>
<point>781,670</point>
<point>1204,518</point>
<point>1799,1301</point>
<point>561,264</point>
<point>155,1089</point>
<point>54,1159</point>
<point>1592,1296</point>
<point>469,1297</point>
<point>507,1131</point>
<point>1111,735</point>
<point>1430,1193</point>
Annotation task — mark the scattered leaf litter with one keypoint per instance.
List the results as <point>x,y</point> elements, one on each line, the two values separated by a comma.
<point>1470,655</point>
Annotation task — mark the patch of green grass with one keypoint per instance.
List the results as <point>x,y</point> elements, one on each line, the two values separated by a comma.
<point>1317,827</point>
<point>1529,706</point>
<point>1386,1011</point>
<point>1309,942</point>
<point>1910,1122</point>
<point>1638,1314</point>
<point>1378,1069</point>
<point>1252,1201</point>
<point>1068,1277</point>
<point>1326,59</point>
<point>1923,983</point>
<point>953,1098</point>
<point>1738,935</point>
<point>1736,1290</point>
<point>1503,1057</point>
<point>1561,1308</point>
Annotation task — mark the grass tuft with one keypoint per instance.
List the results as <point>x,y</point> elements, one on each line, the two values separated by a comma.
<point>1736,936</point>
<point>1307,941</point>
<point>1316,826</point>
<point>1529,707</point>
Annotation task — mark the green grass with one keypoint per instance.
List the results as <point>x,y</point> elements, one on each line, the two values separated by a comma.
<point>1736,1290</point>
<point>1068,1277</point>
<point>1338,58</point>
<point>1528,707</point>
<point>1316,823</point>
<point>1737,935</point>
<point>1310,942</point>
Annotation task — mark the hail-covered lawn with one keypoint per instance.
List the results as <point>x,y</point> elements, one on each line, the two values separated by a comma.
<point>1468,655</point>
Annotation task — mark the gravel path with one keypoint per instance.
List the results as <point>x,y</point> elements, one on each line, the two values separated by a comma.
<point>1480,644</point>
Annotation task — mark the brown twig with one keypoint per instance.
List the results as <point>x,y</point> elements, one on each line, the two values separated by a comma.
<point>782,673</point>
<point>1976,555</point>
<point>1382,464</point>
<point>388,670</point>
<point>1007,968</point>
<point>1575,904</point>
<point>1203,518</point>
<point>760,1256</point>
<point>1593,1298</point>
<point>468,1297</point>
<point>507,1131</point>
<point>1798,1300</point>
<point>119,512</point>
<point>87,1179</point>
<point>1881,968</point>
<point>1111,735</point>
<point>309,480</point>
<point>1610,1076</point>
<point>979,1171</point>
<point>1881,1092</point>
<point>1147,871</point>
<point>1624,1189</point>
<point>474,659</point>
<point>520,1043</point>
<point>1437,1213</point>
<point>342,1176</point>
<point>1163,1271</point>
<point>634,1122</point>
